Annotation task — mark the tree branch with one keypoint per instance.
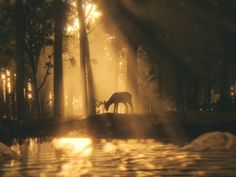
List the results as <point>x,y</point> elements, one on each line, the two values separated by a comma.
<point>45,77</point>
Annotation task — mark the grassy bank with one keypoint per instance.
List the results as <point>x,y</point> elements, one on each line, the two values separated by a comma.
<point>165,125</point>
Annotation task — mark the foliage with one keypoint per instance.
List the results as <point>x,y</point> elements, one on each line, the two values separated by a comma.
<point>39,30</point>
<point>7,30</point>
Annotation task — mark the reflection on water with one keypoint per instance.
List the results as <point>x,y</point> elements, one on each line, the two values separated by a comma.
<point>75,146</point>
<point>71,157</point>
<point>78,150</point>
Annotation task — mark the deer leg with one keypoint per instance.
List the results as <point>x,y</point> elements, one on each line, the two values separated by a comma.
<point>126,108</point>
<point>114,111</point>
<point>131,105</point>
<point>117,108</point>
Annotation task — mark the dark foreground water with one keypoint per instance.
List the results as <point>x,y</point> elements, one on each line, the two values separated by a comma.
<point>72,157</point>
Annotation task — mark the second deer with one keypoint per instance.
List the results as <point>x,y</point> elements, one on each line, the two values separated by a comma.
<point>119,97</point>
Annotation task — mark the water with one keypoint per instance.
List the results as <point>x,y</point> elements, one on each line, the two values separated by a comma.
<point>72,157</point>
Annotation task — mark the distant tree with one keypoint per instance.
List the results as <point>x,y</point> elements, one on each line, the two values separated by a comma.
<point>7,47</point>
<point>132,71</point>
<point>20,48</point>
<point>59,16</point>
<point>1,98</point>
<point>37,35</point>
<point>39,31</point>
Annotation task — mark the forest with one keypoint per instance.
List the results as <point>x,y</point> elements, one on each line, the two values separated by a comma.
<point>64,58</point>
<point>117,88</point>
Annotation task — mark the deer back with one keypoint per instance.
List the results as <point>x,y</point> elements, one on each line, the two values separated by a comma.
<point>119,97</point>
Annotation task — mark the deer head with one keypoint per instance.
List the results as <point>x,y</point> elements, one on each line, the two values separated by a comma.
<point>106,105</point>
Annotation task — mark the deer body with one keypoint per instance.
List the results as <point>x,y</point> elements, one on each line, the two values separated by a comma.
<point>119,97</point>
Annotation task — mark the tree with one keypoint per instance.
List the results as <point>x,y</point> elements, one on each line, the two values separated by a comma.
<point>122,16</point>
<point>38,36</point>
<point>132,72</point>
<point>20,48</point>
<point>59,15</point>
<point>2,104</point>
<point>86,70</point>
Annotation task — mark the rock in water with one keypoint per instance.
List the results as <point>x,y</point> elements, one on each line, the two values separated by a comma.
<point>7,153</point>
<point>213,141</point>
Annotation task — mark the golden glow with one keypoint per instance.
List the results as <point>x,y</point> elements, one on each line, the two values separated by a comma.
<point>109,38</point>
<point>232,91</point>
<point>8,72</point>
<point>4,86</point>
<point>3,76</point>
<point>66,99</point>
<point>231,88</point>
<point>91,14</point>
<point>6,82</point>
<point>80,149</point>
<point>73,27</point>
<point>134,150</point>
<point>50,99</point>
<point>9,85</point>
<point>66,157</point>
<point>29,88</point>
<point>108,75</point>
<point>76,146</point>
<point>75,101</point>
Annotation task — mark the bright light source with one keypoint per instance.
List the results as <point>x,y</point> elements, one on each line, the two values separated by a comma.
<point>91,14</point>
<point>75,146</point>
<point>3,76</point>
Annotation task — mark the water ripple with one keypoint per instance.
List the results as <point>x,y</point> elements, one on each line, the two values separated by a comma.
<point>74,157</point>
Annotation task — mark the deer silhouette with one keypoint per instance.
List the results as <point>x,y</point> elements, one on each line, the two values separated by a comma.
<point>119,97</point>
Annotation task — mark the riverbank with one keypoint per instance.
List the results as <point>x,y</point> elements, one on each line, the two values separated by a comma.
<point>172,125</point>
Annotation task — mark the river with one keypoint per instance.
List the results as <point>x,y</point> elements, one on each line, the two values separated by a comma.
<point>73,156</point>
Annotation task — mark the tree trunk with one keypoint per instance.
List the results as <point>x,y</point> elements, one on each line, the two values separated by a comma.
<point>208,95</point>
<point>20,47</point>
<point>86,69</point>
<point>193,91</point>
<point>91,93</point>
<point>1,99</point>
<point>116,72</point>
<point>36,96</point>
<point>179,90</point>
<point>83,51</point>
<point>58,68</point>
<point>132,74</point>
<point>13,100</point>
<point>224,88</point>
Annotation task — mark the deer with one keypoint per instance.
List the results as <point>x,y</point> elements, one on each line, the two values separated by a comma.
<point>98,109</point>
<point>119,97</point>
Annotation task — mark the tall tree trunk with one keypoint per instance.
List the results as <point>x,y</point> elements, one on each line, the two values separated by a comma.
<point>86,69</point>
<point>13,93</point>
<point>224,88</point>
<point>116,65</point>
<point>58,68</point>
<point>132,74</point>
<point>179,90</point>
<point>83,52</point>
<point>208,95</point>
<point>1,99</point>
<point>91,93</point>
<point>193,91</point>
<point>20,47</point>
<point>36,96</point>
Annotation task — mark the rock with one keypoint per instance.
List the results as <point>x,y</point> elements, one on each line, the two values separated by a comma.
<point>212,141</point>
<point>7,153</point>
